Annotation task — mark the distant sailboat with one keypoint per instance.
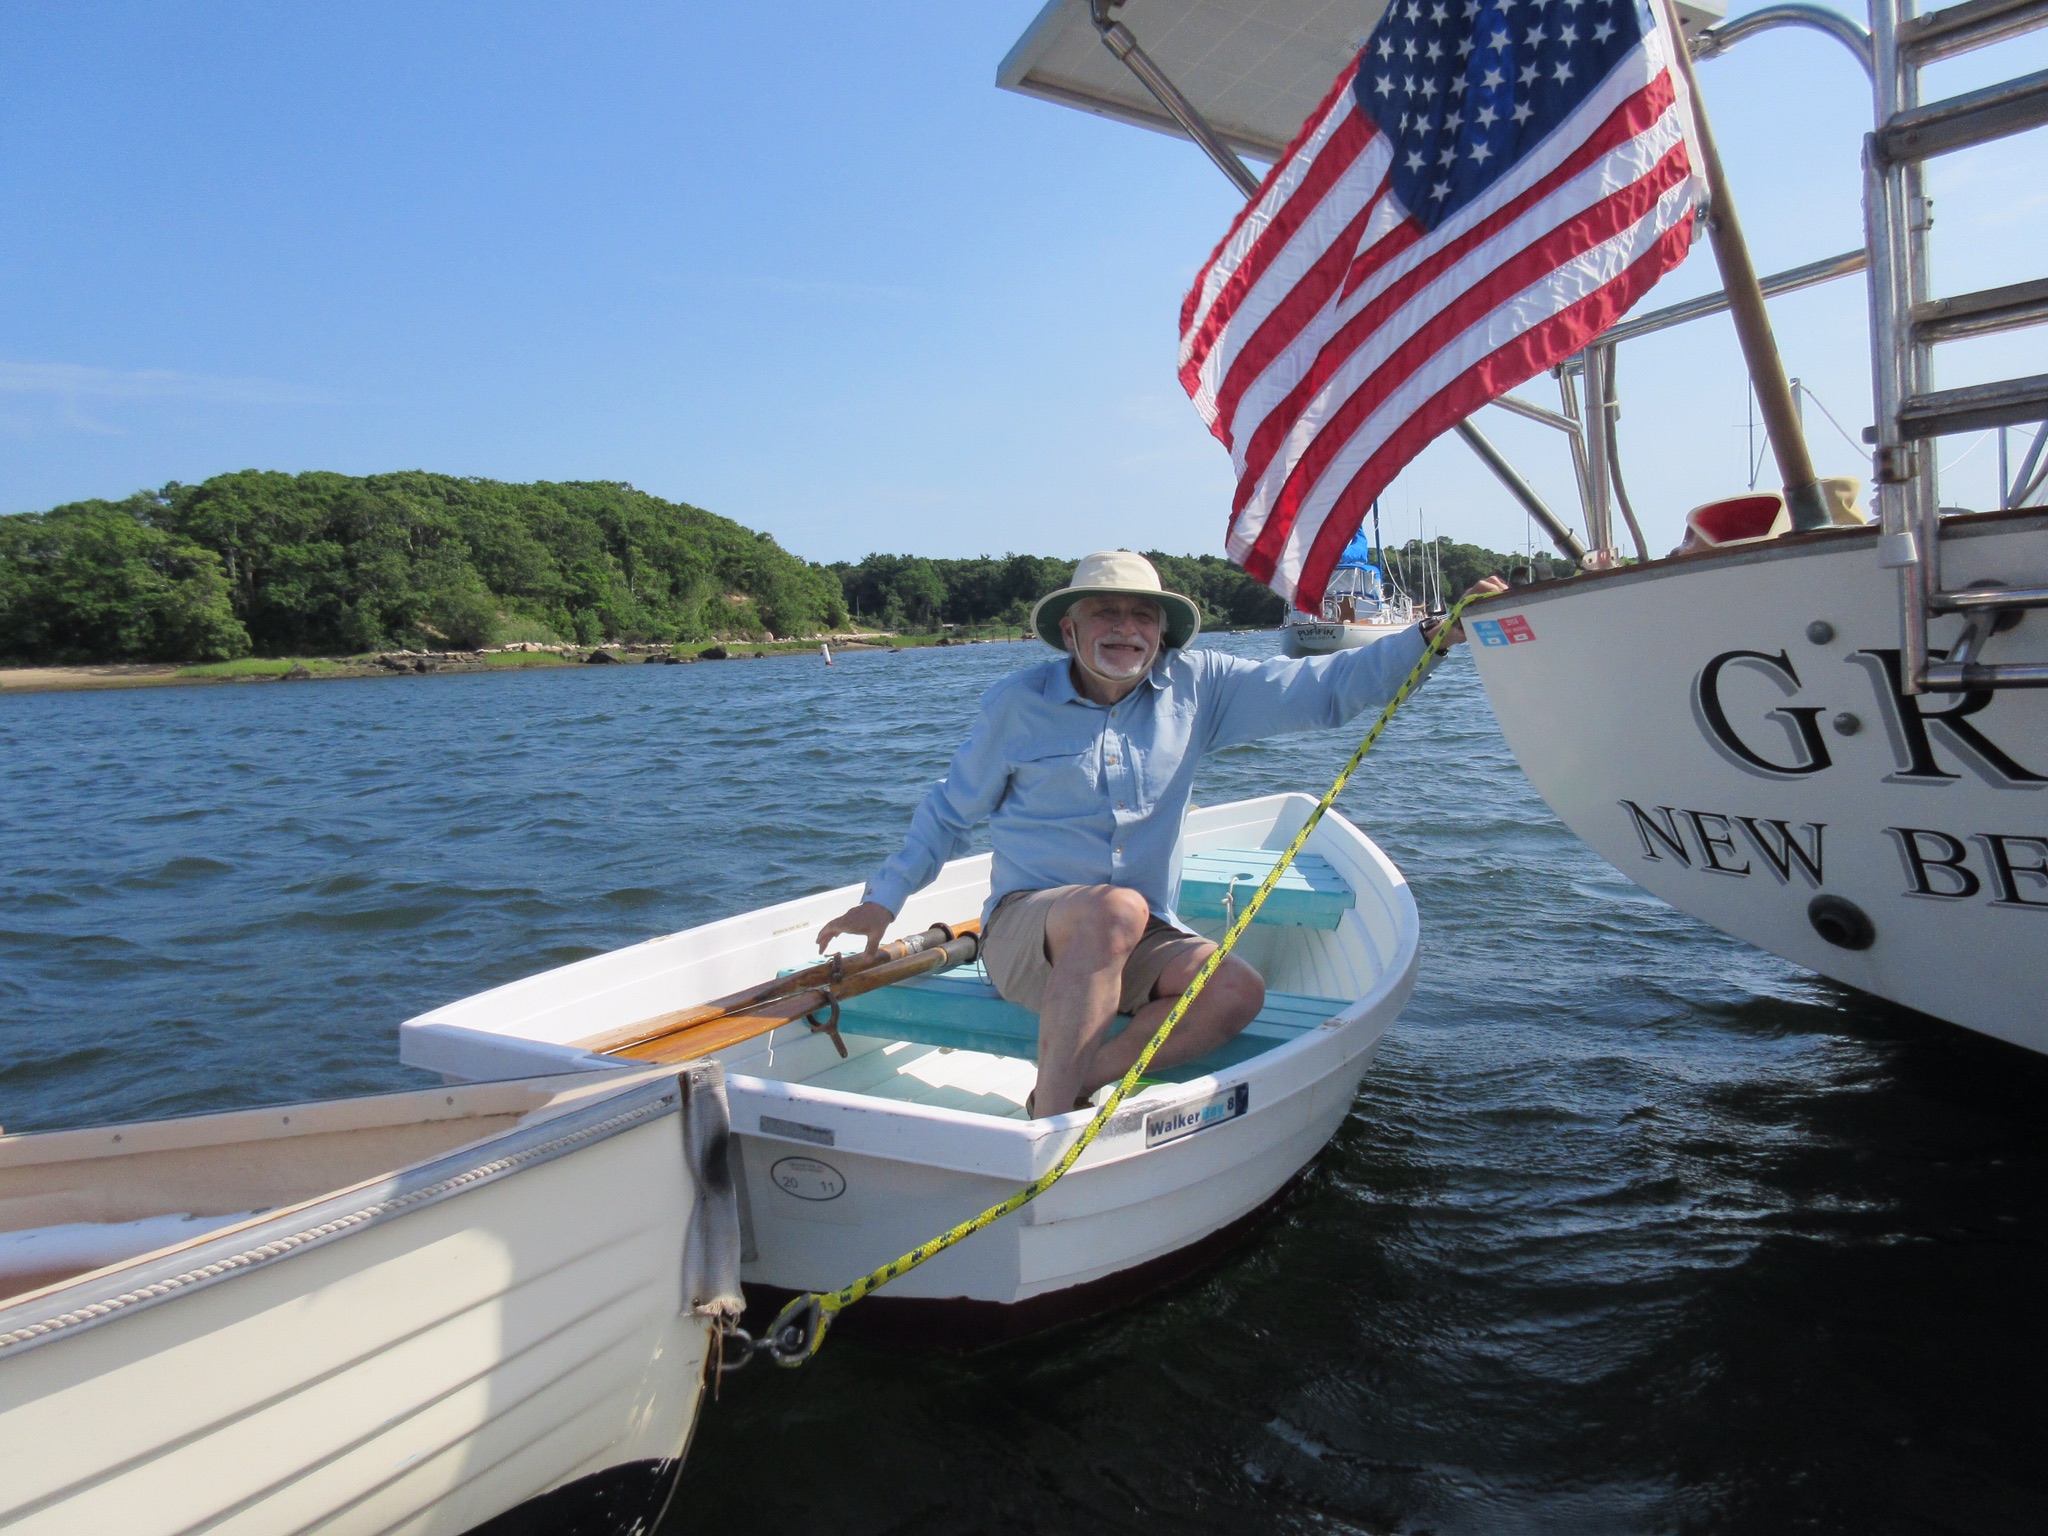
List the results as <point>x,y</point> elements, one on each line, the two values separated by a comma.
<point>1362,604</point>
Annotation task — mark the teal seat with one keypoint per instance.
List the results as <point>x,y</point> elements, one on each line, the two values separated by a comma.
<point>961,1010</point>
<point>1218,883</point>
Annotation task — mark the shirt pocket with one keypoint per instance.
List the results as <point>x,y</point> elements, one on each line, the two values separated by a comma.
<point>1056,782</point>
<point>1158,763</point>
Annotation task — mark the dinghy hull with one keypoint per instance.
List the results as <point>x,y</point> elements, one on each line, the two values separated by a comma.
<point>499,1338</point>
<point>843,1166</point>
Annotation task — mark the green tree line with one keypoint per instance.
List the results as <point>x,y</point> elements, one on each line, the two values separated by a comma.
<point>326,564</point>
<point>912,592</point>
<point>1458,564</point>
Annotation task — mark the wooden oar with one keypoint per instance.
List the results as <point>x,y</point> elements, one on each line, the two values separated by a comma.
<point>715,1034</point>
<point>691,1032</point>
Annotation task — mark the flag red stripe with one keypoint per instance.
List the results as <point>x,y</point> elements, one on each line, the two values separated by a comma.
<point>1278,331</point>
<point>1633,117</point>
<point>1583,232</point>
<point>1540,347</point>
<point>1308,131</point>
<point>1331,162</point>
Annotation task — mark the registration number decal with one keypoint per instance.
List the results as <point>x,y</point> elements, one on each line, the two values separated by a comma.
<point>1178,1120</point>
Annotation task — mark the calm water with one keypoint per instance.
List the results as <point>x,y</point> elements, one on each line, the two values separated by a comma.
<point>1633,1228</point>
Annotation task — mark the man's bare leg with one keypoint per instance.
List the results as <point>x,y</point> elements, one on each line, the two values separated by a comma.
<point>1231,1000</point>
<point>1089,934</point>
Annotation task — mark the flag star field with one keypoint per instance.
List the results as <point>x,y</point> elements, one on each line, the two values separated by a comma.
<point>1462,90</point>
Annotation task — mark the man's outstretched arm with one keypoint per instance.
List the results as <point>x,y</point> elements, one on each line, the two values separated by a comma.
<point>1273,698</point>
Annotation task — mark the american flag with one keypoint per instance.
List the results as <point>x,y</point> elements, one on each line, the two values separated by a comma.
<point>1488,186</point>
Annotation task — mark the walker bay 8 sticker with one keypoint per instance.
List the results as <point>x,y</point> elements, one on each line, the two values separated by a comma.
<point>1178,1120</point>
<point>1513,630</point>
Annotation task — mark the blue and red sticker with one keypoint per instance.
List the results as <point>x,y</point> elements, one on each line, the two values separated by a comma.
<point>1509,631</point>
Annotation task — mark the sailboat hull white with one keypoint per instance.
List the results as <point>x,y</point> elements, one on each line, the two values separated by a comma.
<point>1725,729</point>
<point>502,1329</point>
<point>1323,639</point>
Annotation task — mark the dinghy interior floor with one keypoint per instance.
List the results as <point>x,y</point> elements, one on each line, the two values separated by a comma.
<point>950,1042</point>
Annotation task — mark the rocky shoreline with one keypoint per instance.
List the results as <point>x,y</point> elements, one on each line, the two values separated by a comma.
<point>490,659</point>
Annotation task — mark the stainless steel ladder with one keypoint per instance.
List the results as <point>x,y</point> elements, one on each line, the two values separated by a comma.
<point>1907,322</point>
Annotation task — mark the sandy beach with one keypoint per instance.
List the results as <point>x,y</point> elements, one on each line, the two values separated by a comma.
<point>117,675</point>
<point>392,663</point>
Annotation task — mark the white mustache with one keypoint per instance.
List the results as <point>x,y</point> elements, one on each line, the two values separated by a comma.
<point>1120,657</point>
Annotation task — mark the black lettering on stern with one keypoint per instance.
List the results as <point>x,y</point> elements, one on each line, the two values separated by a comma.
<point>1921,865</point>
<point>1906,720</point>
<point>1782,852</point>
<point>1651,833</point>
<point>1801,725</point>
<point>2000,846</point>
<point>1711,843</point>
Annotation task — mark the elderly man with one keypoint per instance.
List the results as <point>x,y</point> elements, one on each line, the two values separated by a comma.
<point>1084,766</point>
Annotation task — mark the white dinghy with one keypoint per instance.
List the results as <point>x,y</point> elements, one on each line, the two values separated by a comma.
<point>848,1161</point>
<point>479,1308</point>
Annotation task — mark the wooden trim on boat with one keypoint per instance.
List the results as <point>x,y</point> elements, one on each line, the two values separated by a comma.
<point>835,973</point>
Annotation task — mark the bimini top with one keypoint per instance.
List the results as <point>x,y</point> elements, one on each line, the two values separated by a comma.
<point>1254,68</point>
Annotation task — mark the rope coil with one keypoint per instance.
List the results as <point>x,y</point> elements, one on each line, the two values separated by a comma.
<point>799,1329</point>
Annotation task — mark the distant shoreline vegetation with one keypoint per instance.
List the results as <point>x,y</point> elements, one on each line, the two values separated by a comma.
<point>317,564</point>
<point>268,564</point>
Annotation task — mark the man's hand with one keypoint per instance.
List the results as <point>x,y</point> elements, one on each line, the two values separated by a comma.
<point>868,921</point>
<point>1485,586</point>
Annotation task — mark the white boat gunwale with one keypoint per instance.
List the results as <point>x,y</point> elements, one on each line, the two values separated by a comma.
<point>79,1303</point>
<point>1786,546</point>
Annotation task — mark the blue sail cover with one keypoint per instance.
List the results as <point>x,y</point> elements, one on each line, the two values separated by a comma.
<point>1358,553</point>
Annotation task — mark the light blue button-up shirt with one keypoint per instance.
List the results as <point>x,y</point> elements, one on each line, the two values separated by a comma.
<point>1080,794</point>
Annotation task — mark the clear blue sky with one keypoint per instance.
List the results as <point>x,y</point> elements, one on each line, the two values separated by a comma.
<point>802,265</point>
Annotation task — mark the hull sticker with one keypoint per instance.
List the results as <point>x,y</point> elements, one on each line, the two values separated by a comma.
<point>1178,1120</point>
<point>796,1130</point>
<point>808,1179</point>
<point>1513,630</point>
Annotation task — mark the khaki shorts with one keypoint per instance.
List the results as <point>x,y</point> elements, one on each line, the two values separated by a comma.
<point>1013,951</point>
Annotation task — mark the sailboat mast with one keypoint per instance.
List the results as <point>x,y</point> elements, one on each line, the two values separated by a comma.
<point>1803,498</point>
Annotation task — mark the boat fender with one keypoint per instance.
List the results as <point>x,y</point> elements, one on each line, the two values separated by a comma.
<point>1841,922</point>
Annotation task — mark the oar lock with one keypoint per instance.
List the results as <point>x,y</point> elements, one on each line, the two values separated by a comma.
<point>938,936</point>
<point>830,1024</point>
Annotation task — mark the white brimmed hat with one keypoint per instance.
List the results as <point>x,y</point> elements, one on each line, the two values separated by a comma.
<point>1117,572</point>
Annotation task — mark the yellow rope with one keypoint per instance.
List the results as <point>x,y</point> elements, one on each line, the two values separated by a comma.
<point>800,1328</point>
